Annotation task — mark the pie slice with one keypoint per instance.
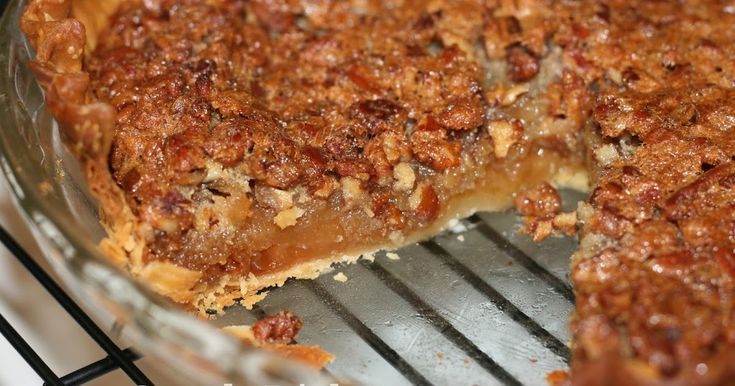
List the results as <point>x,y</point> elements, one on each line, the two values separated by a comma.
<point>234,144</point>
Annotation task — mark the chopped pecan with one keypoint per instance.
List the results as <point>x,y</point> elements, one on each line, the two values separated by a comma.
<point>360,75</point>
<point>385,209</point>
<point>425,203</point>
<point>277,15</point>
<point>433,149</point>
<point>282,327</point>
<point>505,134</point>
<point>711,190</point>
<point>726,258</point>
<point>499,35</point>
<point>540,201</point>
<point>405,177</point>
<point>228,143</point>
<point>375,113</point>
<point>463,114</point>
<point>540,207</point>
<point>523,65</point>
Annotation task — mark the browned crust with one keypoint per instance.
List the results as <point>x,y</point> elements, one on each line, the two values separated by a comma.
<point>87,125</point>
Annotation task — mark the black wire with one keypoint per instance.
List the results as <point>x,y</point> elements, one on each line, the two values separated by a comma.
<point>74,310</point>
<point>27,352</point>
<point>95,370</point>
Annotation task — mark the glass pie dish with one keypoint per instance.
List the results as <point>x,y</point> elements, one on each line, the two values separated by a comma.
<point>478,304</point>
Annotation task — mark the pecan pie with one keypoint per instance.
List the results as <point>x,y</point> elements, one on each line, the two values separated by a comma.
<point>233,144</point>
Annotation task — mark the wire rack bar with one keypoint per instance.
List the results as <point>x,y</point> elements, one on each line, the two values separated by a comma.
<point>95,370</point>
<point>104,341</point>
<point>28,354</point>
